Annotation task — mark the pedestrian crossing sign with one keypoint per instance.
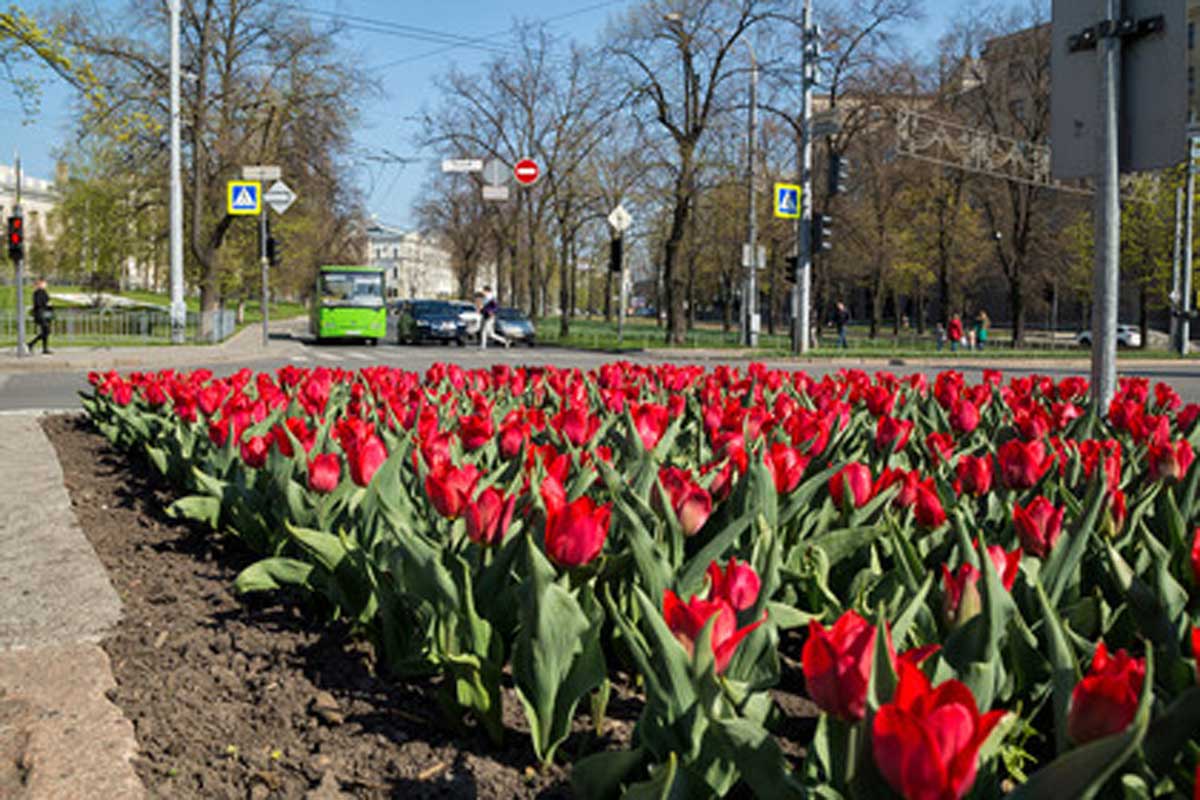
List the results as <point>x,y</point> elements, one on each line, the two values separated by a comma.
<point>244,198</point>
<point>787,201</point>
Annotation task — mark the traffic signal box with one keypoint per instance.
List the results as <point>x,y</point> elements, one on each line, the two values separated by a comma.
<point>16,238</point>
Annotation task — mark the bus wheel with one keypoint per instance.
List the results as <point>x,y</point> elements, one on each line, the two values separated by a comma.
<point>373,342</point>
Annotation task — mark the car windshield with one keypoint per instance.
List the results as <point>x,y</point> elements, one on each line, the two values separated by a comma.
<point>352,289</point>
<point>432,308</point>
<point>511,315</point>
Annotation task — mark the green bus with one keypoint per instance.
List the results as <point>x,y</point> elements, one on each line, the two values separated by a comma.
<point>349,304</point>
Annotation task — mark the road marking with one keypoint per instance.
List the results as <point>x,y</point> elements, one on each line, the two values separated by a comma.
<point>360,356</point>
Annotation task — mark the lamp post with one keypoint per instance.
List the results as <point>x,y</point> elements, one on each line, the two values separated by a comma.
<point>178,309</point>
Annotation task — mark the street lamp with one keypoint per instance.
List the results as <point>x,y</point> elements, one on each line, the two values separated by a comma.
<point>749,328</point>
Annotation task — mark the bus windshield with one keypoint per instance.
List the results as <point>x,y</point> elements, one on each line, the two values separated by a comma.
<point>352,289</point>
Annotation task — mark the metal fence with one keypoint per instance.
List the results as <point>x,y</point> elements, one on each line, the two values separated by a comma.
<point>96,327</point>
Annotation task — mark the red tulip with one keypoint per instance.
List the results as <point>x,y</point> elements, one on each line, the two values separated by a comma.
<point>857,477</point>
<point>575,533</point>
<point>960,594</point>
<point>722,483</point>
<point>891,433</point>
<point>928,506</point>
<point>554,495</point>
<point>324,473</point>
<point>908,481</point>
<point>974,475</point>
<point>450,488</point>
<point>1196,650</point>
<point>1007,564</point>
<point>738,584</point>
<point>1187,417</point>
<point>1022,464</point>
<point>514,432</point>
<point>837,665</point>
<point>940,446</point>
<point>489,516</point>
<point>1104,702</point>
<point>926,741</point>
<point>476,430</point>
<point>1038,526</point>
<point>786,466</point>
<point>1117,512</point>
<point>691,503</point>
<point>576,425</point>
<point>687,622</point>
<point>1196,556</point>
<point>965,417</point>
<point>650,420</point>
<point>1170,462</point>
<point>365,458</point>
<point>255,451</point>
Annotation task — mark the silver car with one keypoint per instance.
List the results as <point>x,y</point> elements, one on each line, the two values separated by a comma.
<point>472,320</point>
<point>1127,336</point>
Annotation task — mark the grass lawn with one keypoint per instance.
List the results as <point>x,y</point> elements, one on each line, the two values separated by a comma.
<point>643,334</point>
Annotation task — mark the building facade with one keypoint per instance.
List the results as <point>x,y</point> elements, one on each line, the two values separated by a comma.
<point>415,265</point>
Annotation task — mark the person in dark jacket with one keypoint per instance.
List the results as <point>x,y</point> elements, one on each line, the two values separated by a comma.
<point>43,315</point>
<point>841,318</point>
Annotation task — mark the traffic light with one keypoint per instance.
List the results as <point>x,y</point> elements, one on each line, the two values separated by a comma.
<point>274,251</point>
<point>16,238</point>
<point>839,173</point>
<point>822,232</point>
<point>615,254</point>
<point>793,269</point>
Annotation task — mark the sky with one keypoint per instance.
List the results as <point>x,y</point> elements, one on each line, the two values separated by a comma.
<point>405,46</point>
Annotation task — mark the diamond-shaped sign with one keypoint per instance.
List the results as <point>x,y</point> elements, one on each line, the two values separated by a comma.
<point>620,219</point>
<point>280,197</point>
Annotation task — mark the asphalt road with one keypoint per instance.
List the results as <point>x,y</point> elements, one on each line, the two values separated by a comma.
<point>52,390</point>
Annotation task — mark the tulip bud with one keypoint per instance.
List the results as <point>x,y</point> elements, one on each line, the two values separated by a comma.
<point>1038,526</point>
<point>324,473</point>
<point>1022,464</point>
<point>857,478</point>
<point>960,594</point>
<point>1104,702</point>
<point>575,533</point>
<point>965,417</point>
<point>738,584</point>
<point>837,665</point>
<point>489,516</point>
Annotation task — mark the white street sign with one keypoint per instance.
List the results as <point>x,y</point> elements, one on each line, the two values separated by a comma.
<point>495,192</point>
<point>748,256</point>
<point>620,219</point>
<point>280,197</point>
<point>462,165</point>
<point>261,173</point>
<point>495,173</point>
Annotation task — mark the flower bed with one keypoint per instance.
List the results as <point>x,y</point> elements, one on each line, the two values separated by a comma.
<point>997,589</point>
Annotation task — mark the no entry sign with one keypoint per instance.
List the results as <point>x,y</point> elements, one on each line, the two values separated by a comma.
<point>526,171</point>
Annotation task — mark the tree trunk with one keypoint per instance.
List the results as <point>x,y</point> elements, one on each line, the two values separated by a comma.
<point>1016,301</point>
<point>564,287</point>
<point>674,282</point>
<point>1144,315</point>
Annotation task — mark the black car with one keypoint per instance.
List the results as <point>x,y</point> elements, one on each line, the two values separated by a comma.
<point>515,326</point>
<point>428,321</point>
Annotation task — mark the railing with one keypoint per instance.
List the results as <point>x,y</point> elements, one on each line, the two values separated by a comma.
<point>94,328</point>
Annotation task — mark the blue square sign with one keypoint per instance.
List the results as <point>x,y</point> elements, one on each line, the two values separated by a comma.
<point>787,201</point>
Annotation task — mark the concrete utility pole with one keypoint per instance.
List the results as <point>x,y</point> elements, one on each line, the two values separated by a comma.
<point>802,289</point>
<point>1175,267</point>
<point>750,335</point>
<point>1107,213</point>
<point>1185,322</point>
<point>178,309</point>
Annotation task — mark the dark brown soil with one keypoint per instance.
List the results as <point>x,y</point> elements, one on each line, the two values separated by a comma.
<point>254,697</point>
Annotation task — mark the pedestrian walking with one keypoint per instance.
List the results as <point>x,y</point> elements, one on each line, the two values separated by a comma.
<point>488,310</point>
<point>43,315</point>
<point>939,334</point>
<point>955,331</point>
<point>981,329</point>
<point>841,318</point>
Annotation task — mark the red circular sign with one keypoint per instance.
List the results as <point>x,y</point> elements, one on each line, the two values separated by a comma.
<point>526,171</point>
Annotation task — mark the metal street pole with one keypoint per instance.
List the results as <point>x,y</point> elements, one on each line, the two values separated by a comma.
<point>178,309</point>
<point>802,289</point>
<point>1107,215</point>
<point>263,233</point>
<point>751,337</point>
<point>22,347</point>
<point>1175,269</point>
<point>623,296</point>
<point>1189,215</point>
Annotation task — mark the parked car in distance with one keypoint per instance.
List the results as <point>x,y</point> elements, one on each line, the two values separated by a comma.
<point>1127,336</point>
<point>428,321</point>
<point>515,326</point>
<point>472,320</point>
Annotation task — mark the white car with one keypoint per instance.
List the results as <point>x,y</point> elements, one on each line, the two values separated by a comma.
<point>1127,336</point>
<point>470,316</point>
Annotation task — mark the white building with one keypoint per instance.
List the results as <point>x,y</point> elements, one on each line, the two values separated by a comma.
<point>416,265</point>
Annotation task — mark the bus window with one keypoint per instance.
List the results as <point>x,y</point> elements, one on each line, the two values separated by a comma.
<point>352,289</point>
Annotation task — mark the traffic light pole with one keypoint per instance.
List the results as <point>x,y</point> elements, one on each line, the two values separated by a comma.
<point>22,346</point>
<point>266,263</point>
<point>1107,217</point>
<point>802,288</point>
<point>751,335</point>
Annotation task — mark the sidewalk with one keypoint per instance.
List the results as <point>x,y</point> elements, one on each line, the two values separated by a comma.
<point>60,737</point>
<point>244,344</point>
